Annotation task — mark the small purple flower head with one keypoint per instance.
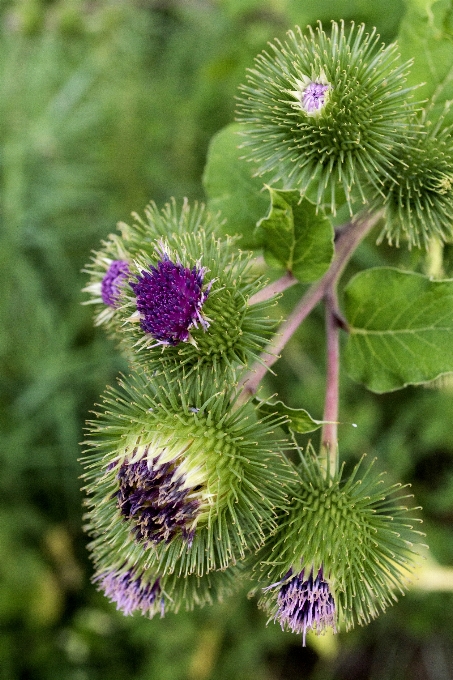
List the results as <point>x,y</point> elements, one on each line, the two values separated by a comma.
<point>305,604</point>
<point>313,97</point>
<point>312,94</point>
<point>169,300</point>
<point>155,498</point>
<point>129,592</point>
<point>116,275</point>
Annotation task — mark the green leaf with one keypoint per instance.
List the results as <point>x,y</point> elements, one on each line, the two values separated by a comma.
<point>401,328</point>
<point>299,420</point>
<point>426,36</point>
<point>296,236</point>
<point>230,187</point>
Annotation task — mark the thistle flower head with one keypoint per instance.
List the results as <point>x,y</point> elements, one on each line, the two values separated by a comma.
<point>175,471</point>
<point>171,313</point>
<point>326,110</point>
<point>169,300</point>
<point>109,266</point>
<point>352,537</point>
<point>418,191</point>
<point>304,602</point>
<point>159,495</point>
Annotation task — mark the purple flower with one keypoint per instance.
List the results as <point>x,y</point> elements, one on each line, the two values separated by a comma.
<point>305,604</point>
<point>129,592</point>
<point>116,275</point>
<point>154,497</point>
<point>313,97</point>
<point>169,299</point>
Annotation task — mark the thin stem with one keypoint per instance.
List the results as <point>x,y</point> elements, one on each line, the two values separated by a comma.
<point>274,288</point>
<point>347,242</point>
<point>329,445</point>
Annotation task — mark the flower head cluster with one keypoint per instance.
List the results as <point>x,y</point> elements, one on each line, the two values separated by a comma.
<point>326,110</point>
<point>109,273</point>
<point>149,592</point>
<point>117,274</point>
<point>355,535</point>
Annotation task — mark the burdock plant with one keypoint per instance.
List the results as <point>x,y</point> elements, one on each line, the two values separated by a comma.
<point>193,481</point>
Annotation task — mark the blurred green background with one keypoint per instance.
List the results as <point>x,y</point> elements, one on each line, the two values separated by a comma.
<point>104,106</point>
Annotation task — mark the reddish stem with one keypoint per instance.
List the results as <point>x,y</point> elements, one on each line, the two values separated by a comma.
<point>348,240</point>
<point>329,444</point>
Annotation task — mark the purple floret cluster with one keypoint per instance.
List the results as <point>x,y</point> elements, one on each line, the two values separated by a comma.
<point>169,300</point>
<point>116,275</point>
<point>153,498</point>
<point>305,604</point>
<point>313,97</point>
<point>129,592</point>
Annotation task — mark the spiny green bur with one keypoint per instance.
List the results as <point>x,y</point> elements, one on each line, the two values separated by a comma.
<point>356,530</point>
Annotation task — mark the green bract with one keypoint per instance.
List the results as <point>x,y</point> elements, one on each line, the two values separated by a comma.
<point>354,530</point>
<point>179,478</point>
<point>345,140</point>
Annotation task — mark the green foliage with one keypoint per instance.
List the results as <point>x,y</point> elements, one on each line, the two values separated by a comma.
<point>426,37</point>
<point>298,419</point>
<point>400,324</point>
<point>297,236</point>
<point>231,188</point>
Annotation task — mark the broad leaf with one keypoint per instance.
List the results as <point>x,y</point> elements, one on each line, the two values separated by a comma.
<point>401,328</point>
<point>296,237</point>
<point>231,188</point>
<point>299,420</point>
<point>426,36</point>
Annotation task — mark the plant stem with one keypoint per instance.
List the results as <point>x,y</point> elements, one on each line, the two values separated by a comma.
<point>274,288</point>
<point>348,240</point>
<point>329,444</point>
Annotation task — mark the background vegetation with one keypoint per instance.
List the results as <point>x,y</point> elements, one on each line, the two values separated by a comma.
<point>103,106</point>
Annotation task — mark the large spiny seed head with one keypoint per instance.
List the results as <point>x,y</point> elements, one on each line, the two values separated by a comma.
<point>327,110</point>
<point>355,530</point>
<point>176,470</point>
